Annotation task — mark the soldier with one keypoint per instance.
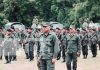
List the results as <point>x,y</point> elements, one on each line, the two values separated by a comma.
<point>29,44</point>
<point>63,45</point>
<point>1,39</point>
<point>58,33</point>
<point>17,36</point>
<point>94,41</point>
<point>72,49</point>
<point>8,44</point>
<point>84,43</point>
<point>48,49</point>
<point>23,36</point>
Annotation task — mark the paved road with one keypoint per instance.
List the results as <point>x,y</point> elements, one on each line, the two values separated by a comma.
<point>23,64</point>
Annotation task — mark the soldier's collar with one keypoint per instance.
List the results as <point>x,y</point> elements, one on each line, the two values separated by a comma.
<point>49,33</point>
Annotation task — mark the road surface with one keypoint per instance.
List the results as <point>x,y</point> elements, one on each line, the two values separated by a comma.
<point>23,64</point>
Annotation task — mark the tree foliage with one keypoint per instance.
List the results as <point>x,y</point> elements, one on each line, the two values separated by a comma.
<point>64,11</point>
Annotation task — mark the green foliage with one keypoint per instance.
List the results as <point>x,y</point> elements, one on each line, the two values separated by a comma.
<point>64,11</point>
<point>87,8</point>
<point>3,20</point>
<point>20,10</point>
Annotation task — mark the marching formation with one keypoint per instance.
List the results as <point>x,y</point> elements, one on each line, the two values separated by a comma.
<point>50,45</point>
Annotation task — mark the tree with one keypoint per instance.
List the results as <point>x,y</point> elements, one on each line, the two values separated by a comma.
<point>20,11</point>
<point>86,8</point>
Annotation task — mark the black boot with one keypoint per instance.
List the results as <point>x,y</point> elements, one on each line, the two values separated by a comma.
<point>7,60</point>
<point>94,55</point>
<point>84,57</point>
<point>10,58</point>
<point>27,57</point>
<point>1,58</point>
<point>14,58</point>
<point>58,58</point>
<point>63,60</point>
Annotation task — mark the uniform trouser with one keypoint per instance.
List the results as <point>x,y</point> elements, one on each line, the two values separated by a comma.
<point>31,52</point>
<point>63,52</point>
<point>46,64</point>
<point>1,52</point>
<point>14,53</point>
<point>59,54</point>
<point>94,49</point>
<point>8,55</point>
<point>85,50</point>
<point>26,49</point>
<point>71,58</point>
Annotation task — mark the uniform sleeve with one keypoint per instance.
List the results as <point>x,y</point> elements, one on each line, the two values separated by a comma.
<point>78,45</point>
<point>97,38</point>
<point>56,46</point>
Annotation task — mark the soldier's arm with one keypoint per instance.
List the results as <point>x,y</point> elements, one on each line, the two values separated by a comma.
<point>55,45</point>
<point>78,45</point>
<point>97,38</point>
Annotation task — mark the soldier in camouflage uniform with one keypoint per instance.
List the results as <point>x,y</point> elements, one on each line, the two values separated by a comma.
<point>29,44</point>
<point>23,36</point>
<point>84,43</point>
<point>47,49</point>
<point>63,45</point>
<point>58,33</point>
<point>1,39</point>
<point>94,41</point>
<point>8,45</point>
<point>37,36</point>
<point>72,49</point>
<point>17,36</point>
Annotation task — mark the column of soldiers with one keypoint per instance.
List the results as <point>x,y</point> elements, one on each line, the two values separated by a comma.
<point>51,44</point>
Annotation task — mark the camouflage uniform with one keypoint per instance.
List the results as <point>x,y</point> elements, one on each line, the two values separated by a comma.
<point>94,41</point>
<point>72,50</point>
<point>29,46</point>
<point>84,43</point>
<point>59,38</point>
<point>17,37</point>
<point>63,45</point>
<point>47,50</point>
<point>8,45</point>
